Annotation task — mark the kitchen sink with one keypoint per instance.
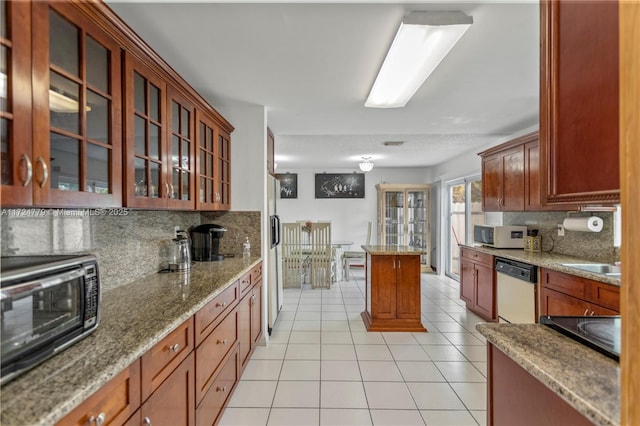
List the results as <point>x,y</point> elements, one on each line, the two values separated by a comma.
<point>598,268</point>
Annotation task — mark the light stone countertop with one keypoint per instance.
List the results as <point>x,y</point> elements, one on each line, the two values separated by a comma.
<point>393,249</point>
<point>134,317</point>
<point>584,378</point>
<point>547,260</point>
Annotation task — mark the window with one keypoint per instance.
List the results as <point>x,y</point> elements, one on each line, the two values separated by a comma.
<point>464,210</point>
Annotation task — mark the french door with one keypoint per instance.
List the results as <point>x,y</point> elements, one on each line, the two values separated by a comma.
<point>464,209</point>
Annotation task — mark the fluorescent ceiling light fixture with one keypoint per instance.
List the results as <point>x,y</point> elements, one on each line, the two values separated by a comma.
<point>62,103</point>
<point>366,165</point>
<point>422,41</point>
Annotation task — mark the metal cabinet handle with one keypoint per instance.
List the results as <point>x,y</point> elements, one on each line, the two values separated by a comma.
<point>99,420</point>
<point>27,161</point>
<point>174,348</point>
<point>166,190</point>
<point>223,341</point>
<point>171,193</point>
<point>221,305</point>
<point>221,389</point>
<point>45,171</point>
<point>586,311</point>
<point>147,421</point>
<point>593,313</point>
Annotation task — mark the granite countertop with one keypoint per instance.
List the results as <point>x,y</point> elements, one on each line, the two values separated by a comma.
<point>393,249</point>
<point>584,378</point>
<point>134,317</point>
<point>547,260</point>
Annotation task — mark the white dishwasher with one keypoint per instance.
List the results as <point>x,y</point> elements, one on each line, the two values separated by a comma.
<point>516,288</point>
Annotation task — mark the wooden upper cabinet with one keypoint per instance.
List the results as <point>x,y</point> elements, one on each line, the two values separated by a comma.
<point>75,87</point>
<point>223,172</point>
<point>146,183</point>
<point>510,175</point>
<point>213,164</point>
<point>579,128</point>
<point>16,154</point>
<point>181,150</point>
<point>271,146</point>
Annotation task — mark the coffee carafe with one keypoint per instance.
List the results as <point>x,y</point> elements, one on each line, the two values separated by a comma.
<point>180,254</point>
<point>205,242</point>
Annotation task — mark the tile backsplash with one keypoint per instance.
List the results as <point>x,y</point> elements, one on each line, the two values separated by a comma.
<point>594,246</point>
<point>128,246</point>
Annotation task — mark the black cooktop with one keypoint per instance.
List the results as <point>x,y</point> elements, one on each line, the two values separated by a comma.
<point>599,333</point>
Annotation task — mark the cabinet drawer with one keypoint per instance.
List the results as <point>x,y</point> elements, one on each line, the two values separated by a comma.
<point>212,313</point>
<point>256,274</point>
<point>164,357</point>
<point>605,295</point>
<point>115,402</point>
<point>477,256</point>
<point>212,351</point>
<point>245,283</point>
<point>565,283</point>
<point>218,394</point>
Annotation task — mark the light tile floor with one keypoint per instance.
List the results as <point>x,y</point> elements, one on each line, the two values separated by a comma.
<point>321,367</point>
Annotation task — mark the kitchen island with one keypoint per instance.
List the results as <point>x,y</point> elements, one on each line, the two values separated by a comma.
<point>539,376</point>
<point>392,288</point>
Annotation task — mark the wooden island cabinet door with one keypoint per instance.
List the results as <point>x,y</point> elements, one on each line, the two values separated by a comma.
<point>383,293</point>
<point>408,287</point>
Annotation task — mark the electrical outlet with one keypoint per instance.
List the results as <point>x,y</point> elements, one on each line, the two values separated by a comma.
<point>560,230</point>
<point>175,231</point>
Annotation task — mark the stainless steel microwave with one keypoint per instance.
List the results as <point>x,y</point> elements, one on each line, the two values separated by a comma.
<point>500,236</point>
<point>48,303</point>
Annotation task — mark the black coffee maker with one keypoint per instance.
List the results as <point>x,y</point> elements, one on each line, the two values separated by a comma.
<point>205,242</point>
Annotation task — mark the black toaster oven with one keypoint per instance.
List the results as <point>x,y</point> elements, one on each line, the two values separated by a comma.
<point>48,303</point>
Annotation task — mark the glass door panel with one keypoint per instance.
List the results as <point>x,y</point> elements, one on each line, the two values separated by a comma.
<point>394,217</point>
<point>465,210</point>
<point>180,140</point>
<point>206,145</point>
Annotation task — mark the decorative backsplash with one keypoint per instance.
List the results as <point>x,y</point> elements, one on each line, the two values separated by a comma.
<point>128,244</point>
<point>594,246</point>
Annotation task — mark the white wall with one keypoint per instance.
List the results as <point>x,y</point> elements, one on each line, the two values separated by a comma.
<point>248,156</point>
<point>348,217</point>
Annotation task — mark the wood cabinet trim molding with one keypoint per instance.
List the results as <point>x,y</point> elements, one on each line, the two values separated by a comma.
<point>520,140</point>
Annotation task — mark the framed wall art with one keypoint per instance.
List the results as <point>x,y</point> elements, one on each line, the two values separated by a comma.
<point>340,185</point>
<point>288,185</point>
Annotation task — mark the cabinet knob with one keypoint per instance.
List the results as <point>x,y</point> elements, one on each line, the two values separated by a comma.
<point>223,341</point>
<point>27,162</point>
<point>174,348</point>
<point>147,421</point>
<point>98,420</point>
<point>221,389</point>
<point>45,172</point>
<point>221,305</point>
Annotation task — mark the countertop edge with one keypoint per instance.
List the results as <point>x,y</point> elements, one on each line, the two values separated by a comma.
<point>382,250</point>
<point>509,338</point>
<point>547,260</point>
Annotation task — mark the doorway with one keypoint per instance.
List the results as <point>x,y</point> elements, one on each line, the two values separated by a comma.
<point>464,209</point>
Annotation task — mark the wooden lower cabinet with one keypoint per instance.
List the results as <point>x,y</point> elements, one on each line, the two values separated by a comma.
<point>566,294</point>
<point>515,397</point>
<point>212,351</point>
<point>188,376</point>
<point>114,403</point>
<point>477,284</point>
<point>249,323</point>
<point>393,293</point>
<point>173,402</point>
<point>210,408</point>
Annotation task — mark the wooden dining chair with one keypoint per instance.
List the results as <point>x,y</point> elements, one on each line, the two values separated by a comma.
<point>356,256</point>
<point>321,255</point>
<point>292,256</point>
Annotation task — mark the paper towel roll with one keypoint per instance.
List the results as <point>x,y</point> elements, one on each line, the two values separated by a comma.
<point>585,224</point>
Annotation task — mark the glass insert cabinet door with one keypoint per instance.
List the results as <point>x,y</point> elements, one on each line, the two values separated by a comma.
<point>76,93</point>
<point>403,217</point>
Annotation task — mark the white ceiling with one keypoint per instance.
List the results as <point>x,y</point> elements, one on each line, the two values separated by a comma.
<point>312,65</point>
